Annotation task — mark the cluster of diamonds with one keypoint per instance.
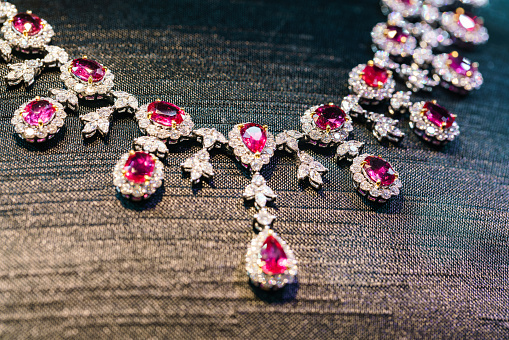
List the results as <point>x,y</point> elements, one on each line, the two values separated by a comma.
<point>324,138</point>
<point>450,23</point>
<point>473,82</point>
<point>429,131</point>
<point>173,134</point>
<point>27,43</point>
<point>254,161</point>
<point>137,191</point>
<point>367,187</point>
<point>42,132</point>
<point>358,86</point>
<point>254,271</point>
<point>397,49</point>
<point>87,90</point>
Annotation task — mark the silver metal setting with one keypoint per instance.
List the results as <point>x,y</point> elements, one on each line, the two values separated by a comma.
<point>41,132</point>
<point>27,43</point>
<point>428,131</point>
<point>249,159</point>
<point>87,90</point>
<point>137,191</point>
<point>367,187</point>
<point>328,137</point>
<point>311,170</point>
<point>348,150</point>
<point>171,134</point>
<point>254,263</point>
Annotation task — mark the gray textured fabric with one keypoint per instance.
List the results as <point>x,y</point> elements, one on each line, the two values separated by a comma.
<point>77,262</point>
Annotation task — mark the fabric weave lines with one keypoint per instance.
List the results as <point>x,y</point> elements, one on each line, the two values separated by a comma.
<point>77,262</point>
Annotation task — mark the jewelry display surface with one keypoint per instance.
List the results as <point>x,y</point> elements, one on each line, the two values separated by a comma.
<point>81,261</point>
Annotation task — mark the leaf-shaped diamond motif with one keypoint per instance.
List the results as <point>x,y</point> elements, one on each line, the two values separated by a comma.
<point>152,145</point>
<point>310,169</point>
<point>125,102</point>
<point>65,97</point>
<point>289,140</point>
<point>97,121</point>
<point>210,138</point>
<point>198,166</point>
<point>385,128</point>
<point>55,57</point>
<point>349,150</point>
<point>416,78</point>
<point>23,72</point>
<point>259,191</point>
<point>5,50</point>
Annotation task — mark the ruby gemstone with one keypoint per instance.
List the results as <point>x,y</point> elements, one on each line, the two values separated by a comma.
<point>86,69</point>
<point>139,165</point>
<point>273,257</point>
<point>467,21</point>
<point>254,137</point>
<point>39,112</point>
<point>438,115</point>
<point>165,113</point>
<point>379,170</point>
<point>396,34</point>
<point>374,75</point>
<point>329,116</point>
<point>26,23</point>
<point>461,65</point>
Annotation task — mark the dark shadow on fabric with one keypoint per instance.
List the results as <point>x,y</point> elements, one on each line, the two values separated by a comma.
<point>147,204</point>
<point>393,206</point>
<point>285,295</point>
<point>40,147</point>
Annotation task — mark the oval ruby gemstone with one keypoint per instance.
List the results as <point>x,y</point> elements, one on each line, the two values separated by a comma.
<point>396,34</point>
<point>379,170</point>
<point>438,115</point>
<point>86,69</point>
<point>26,23</point>
<point>139,165</point>
<point>39,112</point>
<point>273,257</point>
<point>254,137</point>
<point>165,113</point>
<point>467,21</point>
<point>461,65</point>
<point>329,116</point>
<point>374,75</point>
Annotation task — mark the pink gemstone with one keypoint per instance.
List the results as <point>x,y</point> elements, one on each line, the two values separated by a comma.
<point>254,137</point>
<point>407,2</point>
<point>26,23</point>
<point>139,165</point>
<point>379,170</point>
<point>374,75</point>
<point>329,116</point>
<point>468,21</point>
<point>86,69</point>
<point>461,65</point>
<point>273,257</point>
<point>165,113</point>
<point>39,112</point>
<point>397,34</point>
<point>439,115</point>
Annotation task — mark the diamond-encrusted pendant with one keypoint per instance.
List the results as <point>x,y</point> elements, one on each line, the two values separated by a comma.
<point>433,123</point>
<point>270,263</point>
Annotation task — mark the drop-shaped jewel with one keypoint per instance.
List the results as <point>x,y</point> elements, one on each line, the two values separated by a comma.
<point>254,137</point>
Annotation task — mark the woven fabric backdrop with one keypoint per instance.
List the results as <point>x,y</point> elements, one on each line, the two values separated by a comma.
<point>78,262</point>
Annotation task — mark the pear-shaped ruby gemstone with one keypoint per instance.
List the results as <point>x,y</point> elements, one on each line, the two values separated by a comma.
<point>379,170</point>
<point>273,257</point>
<point>26,23</point>
<point>139,166</point>
<point>254,137</point>
<point>165,113</point>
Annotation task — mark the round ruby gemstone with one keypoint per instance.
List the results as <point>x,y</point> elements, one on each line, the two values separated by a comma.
<point>379,170</point>
<point>254,137</point>
<point>165,113</point>
<point>461,65</point>
<point>39,112</point>
<point>374,75</point>
<point>467,21</point>
<point>396,34</point>
<point>86,69</point>
<point>26,23</point>
<point>438,115</point>
<point>329,116</point>
<point>139,166</point>
<point>273,257</point>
